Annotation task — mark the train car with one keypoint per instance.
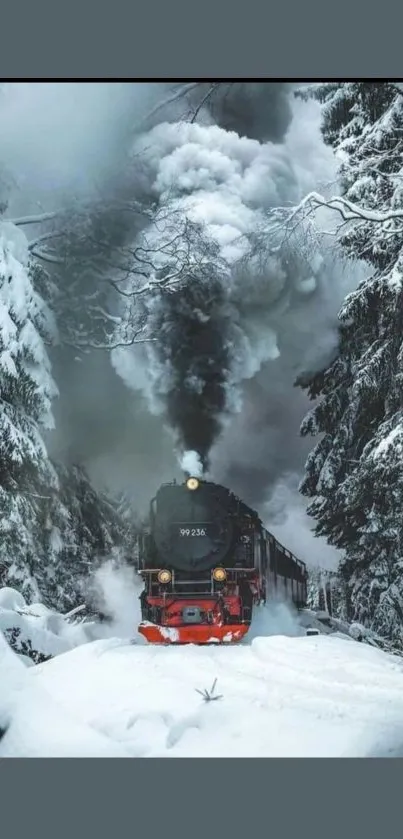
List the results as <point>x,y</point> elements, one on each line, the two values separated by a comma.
<point>206,562</point>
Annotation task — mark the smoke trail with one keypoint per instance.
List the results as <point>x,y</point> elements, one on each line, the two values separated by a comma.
<point>256,109</point>
<point>192,344</point>
<point>214,331</point>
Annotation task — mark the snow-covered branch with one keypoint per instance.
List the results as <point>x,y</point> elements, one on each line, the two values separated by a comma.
<point>33,219</point>
<point>44,237</point>
<point>176,253</point>
<point>45,256</point>
<point>348,210</point>
<point>87,344</point>
<point>396,87</point>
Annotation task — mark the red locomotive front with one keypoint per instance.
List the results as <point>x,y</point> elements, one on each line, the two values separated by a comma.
<point>203,565</point>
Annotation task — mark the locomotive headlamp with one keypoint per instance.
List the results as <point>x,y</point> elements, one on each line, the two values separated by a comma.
<point>192,483</point>
<point>164,576</point>
<point>219,575</point>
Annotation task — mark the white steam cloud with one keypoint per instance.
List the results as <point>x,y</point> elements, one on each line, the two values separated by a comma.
<point>280,308</point>
<point>118,589</point>
<point>228,183</point>
<point>190,462</point>
<point>275,618</point>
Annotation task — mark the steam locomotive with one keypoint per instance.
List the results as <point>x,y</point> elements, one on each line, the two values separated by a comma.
<point>206,561</point>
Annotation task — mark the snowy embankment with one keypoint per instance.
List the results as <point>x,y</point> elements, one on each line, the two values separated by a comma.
<point>32,724</point>
<point>37,633</point>
<point>280,694</point>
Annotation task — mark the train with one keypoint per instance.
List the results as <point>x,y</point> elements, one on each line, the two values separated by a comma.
<point>206,563</point>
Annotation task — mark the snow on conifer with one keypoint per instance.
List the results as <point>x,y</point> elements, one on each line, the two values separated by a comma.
<point>26,392</point>
<point>82,528</point>
<point>54,526</point>
<point>354,476</point>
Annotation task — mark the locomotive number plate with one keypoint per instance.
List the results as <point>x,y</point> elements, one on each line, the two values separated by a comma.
<point>186,531</point>
<point>192,531</point>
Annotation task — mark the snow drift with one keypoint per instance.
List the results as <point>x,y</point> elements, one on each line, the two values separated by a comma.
<point>280,697</point>
<point>32,724</point>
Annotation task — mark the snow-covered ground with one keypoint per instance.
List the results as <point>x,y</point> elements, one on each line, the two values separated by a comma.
<point>281,694</point>
<point>280,697</point>
<point>32,724</point>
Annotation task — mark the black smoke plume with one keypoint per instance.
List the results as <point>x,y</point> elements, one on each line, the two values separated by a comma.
<point>259,110</point>
<point>192,327</point>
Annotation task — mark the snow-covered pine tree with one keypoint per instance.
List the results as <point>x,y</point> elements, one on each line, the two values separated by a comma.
<point>54,527</point>
<point>80,529</point>
<point>314,584</point>
<point>355,473</point>
<point>26,392</point>
<point>327,592</point>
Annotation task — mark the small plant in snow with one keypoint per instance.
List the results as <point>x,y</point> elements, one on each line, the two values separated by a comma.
<point>208,695</point>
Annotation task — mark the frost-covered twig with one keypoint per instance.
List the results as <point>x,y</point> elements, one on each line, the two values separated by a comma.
<point>99,346</point>
<point>169,100</point>
<point>205,99</point>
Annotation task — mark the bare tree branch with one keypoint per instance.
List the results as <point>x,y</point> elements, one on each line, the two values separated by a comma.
<point>169,100</point>
<point>205,99</point>
<point>45,237</point>
<point>108,346</point>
